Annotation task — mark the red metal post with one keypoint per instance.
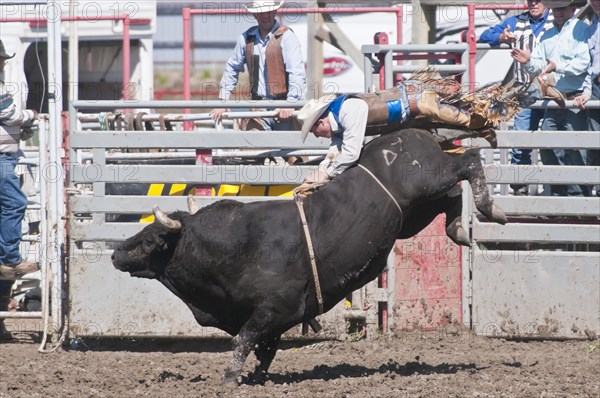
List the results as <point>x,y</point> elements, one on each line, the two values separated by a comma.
<point>399,38</point>
<point>381,38</point>
<point>384,306</point>
<point>187,95</point>
<point>203,156</point>
<point>41,22</point>
<point>472,42</point>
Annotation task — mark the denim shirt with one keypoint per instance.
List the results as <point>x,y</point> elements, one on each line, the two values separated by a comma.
<point>491,35</point>
<point>594,46</point>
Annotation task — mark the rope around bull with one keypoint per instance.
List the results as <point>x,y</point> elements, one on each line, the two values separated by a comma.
<point>306,189</point>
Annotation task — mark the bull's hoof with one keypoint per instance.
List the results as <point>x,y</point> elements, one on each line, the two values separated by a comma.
<point>498,215</point>
<point>257,378</point>
<point>489,134</point>
<point>458,234</point>
<point>231,378</point>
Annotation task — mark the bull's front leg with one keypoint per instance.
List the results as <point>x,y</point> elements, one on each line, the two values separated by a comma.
<point>453,209</point>
<point>242,344</point>
<point>474,173</point>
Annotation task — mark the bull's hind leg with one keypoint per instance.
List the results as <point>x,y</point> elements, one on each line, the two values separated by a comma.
<point>265,352</point>
<point>475,174</point>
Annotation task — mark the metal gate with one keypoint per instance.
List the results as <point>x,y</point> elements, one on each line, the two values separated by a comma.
<point>538,275</point>
<point>102,300</point>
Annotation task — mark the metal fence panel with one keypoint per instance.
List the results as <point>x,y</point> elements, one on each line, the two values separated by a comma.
<point>535,293</point>
<point>126,306</point>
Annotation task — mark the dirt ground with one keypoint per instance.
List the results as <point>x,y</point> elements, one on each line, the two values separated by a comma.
<point>434,364</point>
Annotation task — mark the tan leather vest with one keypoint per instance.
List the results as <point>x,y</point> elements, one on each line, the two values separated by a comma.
<point>277,78</point>
<point>377,119</point>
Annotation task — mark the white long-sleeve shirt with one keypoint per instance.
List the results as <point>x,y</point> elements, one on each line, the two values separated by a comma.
<point>346,142</point>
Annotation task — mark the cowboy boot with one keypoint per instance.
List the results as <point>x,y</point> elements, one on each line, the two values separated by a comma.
<point>547,83</point>
<point>427,103</point>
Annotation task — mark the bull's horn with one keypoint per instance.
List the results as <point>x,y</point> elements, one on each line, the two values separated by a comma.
<point>192,206</point>
<point>163,218</point>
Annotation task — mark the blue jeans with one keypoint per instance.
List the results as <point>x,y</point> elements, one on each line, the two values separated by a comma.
<point>594,125</point>
<point>565,119</point>
<point>526,120</point>
<point>13,203</point>
<point>274,125</point>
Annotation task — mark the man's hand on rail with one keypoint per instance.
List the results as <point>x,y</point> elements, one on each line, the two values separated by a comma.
<point>284,113</point>
<point>507,36</point>
<point>521,56</point>
<point>580,101</point>
<point>217,113</point>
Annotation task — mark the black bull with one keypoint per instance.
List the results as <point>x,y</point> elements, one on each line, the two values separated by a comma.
<point>245,268</point>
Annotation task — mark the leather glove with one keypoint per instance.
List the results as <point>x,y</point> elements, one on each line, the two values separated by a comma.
<point>316,177</point>
<point>26,133</point>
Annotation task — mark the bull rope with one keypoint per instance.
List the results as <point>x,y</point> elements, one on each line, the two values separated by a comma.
<point>305,190</point>
<point>311,252</point>
<point>384,188</point>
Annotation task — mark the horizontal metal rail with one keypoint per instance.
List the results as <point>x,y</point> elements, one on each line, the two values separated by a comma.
<point>540,174</point>
<point>108,105</point>
<point>195,139</point>
<point>440,68</point>
<point>554,139</point>
<point>172,117</point>
<point>20,315</point>
<point>190,154</point>
<point>535,233</point>
<point>201,174</point>
<point>133,204</point>
<point>547,205</point>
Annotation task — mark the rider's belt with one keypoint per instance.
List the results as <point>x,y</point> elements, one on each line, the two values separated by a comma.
<point>260,97</point>
<point>571,95</point>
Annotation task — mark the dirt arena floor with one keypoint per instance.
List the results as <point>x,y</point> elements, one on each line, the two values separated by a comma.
<point>435,364</point>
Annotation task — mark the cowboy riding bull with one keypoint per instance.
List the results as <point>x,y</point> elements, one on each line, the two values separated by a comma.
<point>246,268</point>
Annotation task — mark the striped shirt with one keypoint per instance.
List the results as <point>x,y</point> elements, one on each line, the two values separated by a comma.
<point>11,118</point>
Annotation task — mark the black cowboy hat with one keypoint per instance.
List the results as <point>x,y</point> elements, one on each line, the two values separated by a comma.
<point>563,3</point>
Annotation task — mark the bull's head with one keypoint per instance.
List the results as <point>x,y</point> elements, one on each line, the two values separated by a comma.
<point>147,253</point>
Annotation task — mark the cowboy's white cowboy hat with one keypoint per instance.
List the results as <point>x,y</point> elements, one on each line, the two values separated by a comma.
<point>3,53</point>
<point>563,3</point>
<point>311,112</point>
<point>260,6</point>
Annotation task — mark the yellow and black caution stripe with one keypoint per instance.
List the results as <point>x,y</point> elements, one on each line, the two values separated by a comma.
<point>223,190</point>
<point>157,190</point>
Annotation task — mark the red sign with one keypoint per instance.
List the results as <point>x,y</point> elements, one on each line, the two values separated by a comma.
<point>333,66</point>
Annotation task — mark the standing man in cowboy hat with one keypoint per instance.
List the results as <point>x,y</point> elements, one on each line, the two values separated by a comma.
<point>562,57</point>
<point>591,85</point>
<point>271,52</point>
<point>523,31</point>
<point>13,201</point>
